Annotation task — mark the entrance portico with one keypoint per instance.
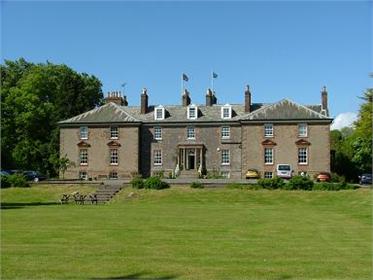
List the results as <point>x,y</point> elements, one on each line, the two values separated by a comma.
<point>190,156</point>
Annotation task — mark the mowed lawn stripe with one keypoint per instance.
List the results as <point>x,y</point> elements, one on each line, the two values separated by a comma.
<point>189,234</point>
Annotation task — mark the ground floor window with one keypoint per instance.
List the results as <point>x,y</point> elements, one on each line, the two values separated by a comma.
<point>302,155</point>
<point>83,175</point>
<point>83,156</point>
<point>225,157</point>
<point>113,175</point>
<point>268,174</point>
<point>157,157</point>
<point>225,174</point>
<point>114,156</point>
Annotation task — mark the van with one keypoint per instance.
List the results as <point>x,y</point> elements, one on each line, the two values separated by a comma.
<point>284,171</point>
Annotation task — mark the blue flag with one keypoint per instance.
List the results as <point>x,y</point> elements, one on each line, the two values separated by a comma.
<point>185,77</point>
<point>214,75</point>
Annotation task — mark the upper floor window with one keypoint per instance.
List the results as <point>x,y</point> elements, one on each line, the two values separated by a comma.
<point>157,157</point>
<point>302,156</point>
<point>159,113</point>
<point>83,157</point>
<point>302,130</point>
<point>192,112</point>
<point>191,133</point>
<point>114,132</point>
<point>268,155</point>
<point>84,132</point>
<point>226,112</point>
<point>225,157</point>
<point>268,130</point>
<point>158,133</point>
<point>113,156</point>
<point>225,132</point>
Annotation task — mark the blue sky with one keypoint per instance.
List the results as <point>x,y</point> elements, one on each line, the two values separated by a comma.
<point>281,49</point>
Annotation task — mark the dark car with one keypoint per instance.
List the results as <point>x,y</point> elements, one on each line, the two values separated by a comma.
<point>34,176</point>
<point>365,179</point>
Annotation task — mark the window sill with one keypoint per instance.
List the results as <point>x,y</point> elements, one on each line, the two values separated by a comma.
<point>267,163</point>
<point>114,138</point>
<point>114,164</point>
<point>302,136</point>
<point>268,136</point>
<point>83,164</point>
<point>302,163</point>
<point>83,138</point>
<point>225,164</point>
<point>157,164</point>
<point>191,138</point>
<point>158,139</point>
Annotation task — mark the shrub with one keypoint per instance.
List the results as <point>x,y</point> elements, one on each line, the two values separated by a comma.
<point>333,186</point>
<point>196,185</point>
<point>272,183</point>
<point>299,183</point>
<point>18,181</point>
<point>155,183</point>
<point>137,183</point>
<point>4,181</point>
<point>335,178</point>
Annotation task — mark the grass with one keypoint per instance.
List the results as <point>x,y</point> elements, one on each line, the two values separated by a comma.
<point>183,233</point>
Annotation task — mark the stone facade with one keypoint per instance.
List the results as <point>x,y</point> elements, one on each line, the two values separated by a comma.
<point>149,143</point>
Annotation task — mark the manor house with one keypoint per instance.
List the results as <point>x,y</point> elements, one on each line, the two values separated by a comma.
<point>189,140</point>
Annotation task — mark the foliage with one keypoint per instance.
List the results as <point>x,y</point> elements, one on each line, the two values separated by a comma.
<point>137,183</point>
<point>335,178</point>
<point>5,181</point>
<point>34,98</point>
<point>271,183</point>
<point>17,181</point>
<point>156,183</point>
<point>333,186</point>
<point>299,183</point>
<point>196,185</point>
<point>214,174</point>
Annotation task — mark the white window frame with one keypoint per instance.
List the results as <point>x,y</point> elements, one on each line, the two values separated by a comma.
<point>225,174</point>
<point>114,134</point>
<point>303,155</point>
<point>268,130</point>
<point>158,133</point>
<point>225,157</point>
<point>302,130</point>
<point>268,174</point>
<point>223,109</point>
<point>268,157</point>
<point>83,132</point>
<point>189,115</point>
<point>157,157</point>
<point>114,157</point>
<point>83,175</point>
<point>161,109</point>
<point>191,136</point>
<point>225,132</point>
<point>83,156</point>
<point>112,176</point>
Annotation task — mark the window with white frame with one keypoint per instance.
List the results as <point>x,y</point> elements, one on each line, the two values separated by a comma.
<point>114,132</point>
<point>113,175</point>
<point>191,133</point>
<point>84,132</point>
<point>225,157</point>
<point>268,174</point>
<point>159,113</point>
<point>302,130</point>
<point>268,130</point>
<point>268,155</point>
<point>113,156</point>
<point>225,132</point>
<point>157,157</point>
<point>226,112</point>
<point>192,112</point>
<point>83,156</point>
<point>83,175</point>
<point>157,133</point>
<point>302,155</point>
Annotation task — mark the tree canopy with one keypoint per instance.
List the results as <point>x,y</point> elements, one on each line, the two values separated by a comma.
<point>34,97</point>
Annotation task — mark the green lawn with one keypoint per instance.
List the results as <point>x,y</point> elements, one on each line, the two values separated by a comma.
<point>182,233</point>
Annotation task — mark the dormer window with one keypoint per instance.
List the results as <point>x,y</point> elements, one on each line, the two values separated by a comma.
<point>159,113</point>
<point>192,112</point>
<point>226,112</point>
<point>84,132</point>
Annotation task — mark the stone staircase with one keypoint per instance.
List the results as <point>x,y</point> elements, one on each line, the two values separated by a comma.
<point>186,174</point>
<point>106,192</point>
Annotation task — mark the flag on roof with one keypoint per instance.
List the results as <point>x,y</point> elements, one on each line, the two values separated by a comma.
<point>185,77</point>
<point>214,75</point>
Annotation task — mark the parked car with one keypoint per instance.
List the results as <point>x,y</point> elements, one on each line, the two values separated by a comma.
<point>252,174</point>
<point>284,171</point>
<point>34,176</point>
<point>365,179</point>
<point>323,177</point>
<point>4,173</point>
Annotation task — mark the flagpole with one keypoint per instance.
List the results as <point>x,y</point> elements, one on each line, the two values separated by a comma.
<point>212,81</point>
<point>182,83</point>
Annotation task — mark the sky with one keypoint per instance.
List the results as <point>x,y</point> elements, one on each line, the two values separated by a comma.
<point>282,49</point>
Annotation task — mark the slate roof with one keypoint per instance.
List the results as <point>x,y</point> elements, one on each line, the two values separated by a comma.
<point>283,110</point>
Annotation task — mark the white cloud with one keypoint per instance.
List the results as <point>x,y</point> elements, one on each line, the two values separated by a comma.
<point>344,120</point>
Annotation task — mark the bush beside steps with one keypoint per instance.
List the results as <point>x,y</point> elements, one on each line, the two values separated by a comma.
<point>153,182</point>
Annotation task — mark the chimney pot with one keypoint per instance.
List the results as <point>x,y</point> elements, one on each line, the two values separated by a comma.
<point>247,99</point>
<point>324,101</point>
<point>185,98</point>
<point>144,101</point>
<point>209,98</point>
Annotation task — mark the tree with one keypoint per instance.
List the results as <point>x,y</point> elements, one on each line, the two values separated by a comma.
<point>34,98</point>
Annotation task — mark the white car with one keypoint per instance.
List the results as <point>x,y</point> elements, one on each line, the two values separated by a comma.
<point>284,170</point>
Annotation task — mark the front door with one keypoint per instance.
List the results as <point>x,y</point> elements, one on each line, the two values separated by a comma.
<point>191,159</point>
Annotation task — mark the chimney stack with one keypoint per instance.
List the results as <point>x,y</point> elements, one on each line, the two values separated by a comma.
<point>324,101</point>
<point>209,98</point>
<point>144,101</point>
<point>117,98</point>
<point>185,98</point>
<point>247,99</point>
